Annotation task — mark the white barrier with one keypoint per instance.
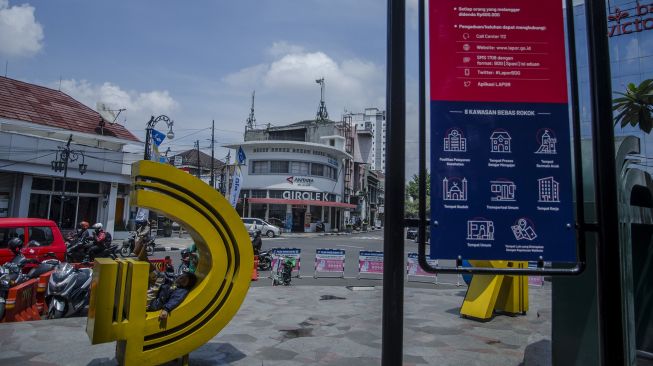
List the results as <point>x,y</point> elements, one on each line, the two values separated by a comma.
<point>329,261</point>
<point>370,262</point>
<point>279,253</point>
<point>413,269</point>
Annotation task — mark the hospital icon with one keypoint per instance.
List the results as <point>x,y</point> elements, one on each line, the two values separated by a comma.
<point>523,229</point>
<point>455,141</point>
<point>500,141</point>
<point>547,142</point>
<point>454,189</point>
<point>480,230</point>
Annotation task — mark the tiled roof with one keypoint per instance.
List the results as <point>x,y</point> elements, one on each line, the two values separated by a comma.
<point>48,107</point>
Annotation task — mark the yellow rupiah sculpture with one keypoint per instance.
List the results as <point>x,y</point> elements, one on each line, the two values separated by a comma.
<point>118,291</point>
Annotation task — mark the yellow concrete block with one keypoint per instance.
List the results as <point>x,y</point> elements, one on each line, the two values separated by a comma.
<point>489,293</point>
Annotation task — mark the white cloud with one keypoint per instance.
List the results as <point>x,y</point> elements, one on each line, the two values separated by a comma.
<point>139,105</point>
<point>20,34</point>
<point>279,49</point>
<point>287,90</point>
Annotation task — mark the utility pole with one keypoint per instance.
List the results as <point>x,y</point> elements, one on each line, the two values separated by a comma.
<point>212,183</point>
<point>197,147</point>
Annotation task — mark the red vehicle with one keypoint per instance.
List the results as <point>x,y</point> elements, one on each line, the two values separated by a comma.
<point>44,232</point>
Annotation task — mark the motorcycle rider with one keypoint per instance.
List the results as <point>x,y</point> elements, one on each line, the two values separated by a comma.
<point>257,243</point>
<point>142,237</point>
<point>98,240</point>
<point>15,245</point>
<point>81,233</point>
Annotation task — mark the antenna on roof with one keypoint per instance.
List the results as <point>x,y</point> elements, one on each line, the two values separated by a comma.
<point>59,82</point>
<point>322,114</point>
<point>6,67</point>
<point>251,119</point>
<point>107,113</point>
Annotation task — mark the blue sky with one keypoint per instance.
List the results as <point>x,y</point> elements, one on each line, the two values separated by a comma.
<point>200,61</point>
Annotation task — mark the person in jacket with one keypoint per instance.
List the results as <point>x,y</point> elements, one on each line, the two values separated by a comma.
<point>98,242</point>
<point>257,243</point>
<point>142,237</point>
<point>170,296</point>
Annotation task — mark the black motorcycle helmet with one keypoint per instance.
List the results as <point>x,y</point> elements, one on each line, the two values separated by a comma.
<point>15,245</point>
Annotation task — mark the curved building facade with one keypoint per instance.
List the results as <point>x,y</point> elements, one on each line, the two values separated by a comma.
<point>297,185</point>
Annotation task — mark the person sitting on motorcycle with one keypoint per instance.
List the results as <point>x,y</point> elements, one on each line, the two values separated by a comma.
<point>81,233</point>
<point>256,242</point>
<point>142,237</point>
<point>15,245</point>
<point>98,241</point>
<point>170,296</point>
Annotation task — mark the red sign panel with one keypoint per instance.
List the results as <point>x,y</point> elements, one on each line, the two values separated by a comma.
<point>497,51</point>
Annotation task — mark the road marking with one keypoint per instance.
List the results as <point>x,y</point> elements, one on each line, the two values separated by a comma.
<point>367,238</point>
<point>349,246</point>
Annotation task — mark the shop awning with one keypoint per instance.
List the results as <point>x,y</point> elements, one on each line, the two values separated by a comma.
<point>281,201</point>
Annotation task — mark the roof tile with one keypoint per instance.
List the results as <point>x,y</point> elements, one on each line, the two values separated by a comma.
<point>49,107</point>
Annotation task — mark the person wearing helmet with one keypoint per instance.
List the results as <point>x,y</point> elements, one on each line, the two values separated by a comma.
<point>15,245</point>
<point>97,240</point>
<point>142,236</point>
<point>81,233</point>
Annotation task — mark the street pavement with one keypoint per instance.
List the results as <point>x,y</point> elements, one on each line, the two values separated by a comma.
<point>320,325</point>
<point>320,322</point>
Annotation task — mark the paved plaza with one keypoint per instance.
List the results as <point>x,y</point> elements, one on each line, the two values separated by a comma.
<point>320,325</point>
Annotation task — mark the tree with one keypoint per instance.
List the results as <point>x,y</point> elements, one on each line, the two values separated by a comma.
<point>635,106</point>
<point>412,196</point>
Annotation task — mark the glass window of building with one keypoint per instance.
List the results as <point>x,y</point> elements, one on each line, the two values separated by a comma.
<point>260,167</point>
<point>277,194</point>
<point>258,193</point>
<point>299,167</point>
<point>42,184</point>
<point>317,169</point>
<point>279,167</point>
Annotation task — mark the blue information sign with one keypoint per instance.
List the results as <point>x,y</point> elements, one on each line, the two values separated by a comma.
<point>501,184</point>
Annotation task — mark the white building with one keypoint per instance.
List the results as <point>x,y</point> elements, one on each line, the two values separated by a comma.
<point>294,176</point>
<point>370,134</point>
<point>35,124</point>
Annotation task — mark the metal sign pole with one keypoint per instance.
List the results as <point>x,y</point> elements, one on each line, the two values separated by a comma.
<point>393,235</point>
<point>610,308</point>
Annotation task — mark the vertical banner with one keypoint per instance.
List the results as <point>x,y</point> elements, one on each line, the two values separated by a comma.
<point>501,184</point>
<point>236,184</point>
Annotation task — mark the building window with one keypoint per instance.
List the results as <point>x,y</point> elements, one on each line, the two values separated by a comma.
<point>276,194</point>
<point>258,193</point>
<point>317,169</point>
<point>299,167</point>
<point>279,167</point>
<point>260,167</point>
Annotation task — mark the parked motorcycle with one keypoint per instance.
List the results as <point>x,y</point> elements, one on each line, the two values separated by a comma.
<point>283,275</point>
<point>68,290</point>
<point>129,243</point>
<point>11,274</point>
<point>77,251</point>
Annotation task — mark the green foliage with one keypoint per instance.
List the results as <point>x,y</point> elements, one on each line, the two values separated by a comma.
<point>412,196</point>
<point>412,188</point>
<point>635,106</point>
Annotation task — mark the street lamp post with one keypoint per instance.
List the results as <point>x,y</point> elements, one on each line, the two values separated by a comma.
<point>148,132</point>
<point>65,155</point>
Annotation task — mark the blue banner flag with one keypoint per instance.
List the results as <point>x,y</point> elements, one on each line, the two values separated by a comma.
<point>158,137</point>
<point>241,156</point>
